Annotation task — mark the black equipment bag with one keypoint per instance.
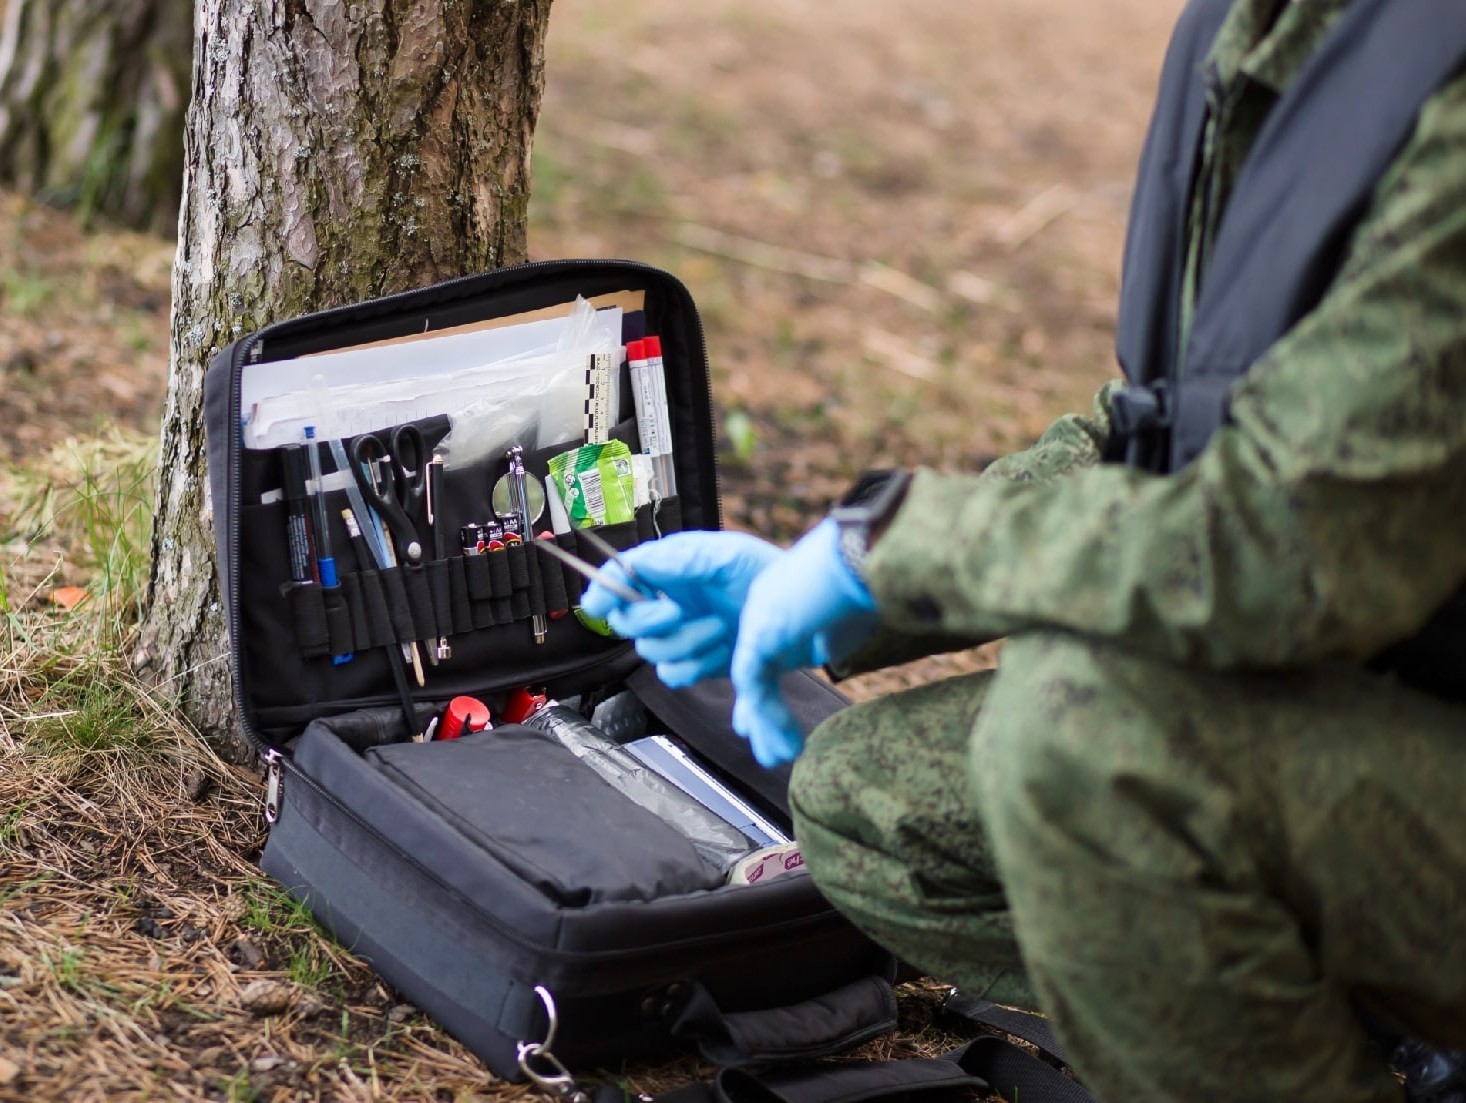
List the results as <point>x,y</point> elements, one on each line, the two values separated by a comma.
<point>525,904</point>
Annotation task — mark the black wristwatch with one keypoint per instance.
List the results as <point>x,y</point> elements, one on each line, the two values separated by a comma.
<point>865,509</point>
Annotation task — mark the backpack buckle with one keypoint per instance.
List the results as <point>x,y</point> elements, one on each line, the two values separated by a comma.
<point>1136,407</point>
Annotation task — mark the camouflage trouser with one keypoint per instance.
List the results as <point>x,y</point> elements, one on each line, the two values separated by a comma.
<point>1205,873</point>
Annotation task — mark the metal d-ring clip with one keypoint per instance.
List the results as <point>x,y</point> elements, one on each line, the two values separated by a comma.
<point>551,1075</point>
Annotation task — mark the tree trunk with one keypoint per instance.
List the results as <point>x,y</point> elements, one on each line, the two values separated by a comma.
<point>335,152</point>
<point>92,98</point>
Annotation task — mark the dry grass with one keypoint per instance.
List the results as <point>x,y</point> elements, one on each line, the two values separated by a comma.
<point>901,222</point>
<point>142,954</point>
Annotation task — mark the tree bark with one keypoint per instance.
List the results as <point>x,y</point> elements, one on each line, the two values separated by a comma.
<point>335,152</point>
<point>92,99</point>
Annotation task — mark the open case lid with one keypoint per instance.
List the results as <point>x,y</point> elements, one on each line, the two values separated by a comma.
<point>276,699</point>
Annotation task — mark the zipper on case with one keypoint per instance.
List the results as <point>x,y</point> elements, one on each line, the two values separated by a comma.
<point>272,784</point>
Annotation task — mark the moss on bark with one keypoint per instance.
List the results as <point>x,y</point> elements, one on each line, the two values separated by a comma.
<point>334,152</point>
<point>92,99</point>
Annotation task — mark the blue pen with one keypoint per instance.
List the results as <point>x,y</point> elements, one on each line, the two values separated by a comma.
<point>325,563</point>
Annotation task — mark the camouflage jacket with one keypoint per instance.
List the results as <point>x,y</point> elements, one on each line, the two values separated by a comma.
<point>1324,523</point>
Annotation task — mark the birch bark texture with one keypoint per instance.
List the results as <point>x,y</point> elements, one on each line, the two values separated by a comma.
<point>92,99</point>
<point>334,152</point>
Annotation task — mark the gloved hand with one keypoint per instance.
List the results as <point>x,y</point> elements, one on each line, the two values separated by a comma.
<point>703,578</point>
<point>804,609</point>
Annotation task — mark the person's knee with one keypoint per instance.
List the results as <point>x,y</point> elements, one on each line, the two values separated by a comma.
<point>879,759</point>
<point>1090,758</point>
<point>835,758</point>
<point>839,841</point>
<point>1039,717</point>
<point>1069,727</point>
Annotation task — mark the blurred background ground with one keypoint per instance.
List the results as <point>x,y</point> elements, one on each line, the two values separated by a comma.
<point>902,223</point>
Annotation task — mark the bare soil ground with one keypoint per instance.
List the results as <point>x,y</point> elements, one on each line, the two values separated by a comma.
<point>902,222</point>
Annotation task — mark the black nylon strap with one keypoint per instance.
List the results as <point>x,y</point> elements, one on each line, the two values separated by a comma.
<point>458,603</point>
<point>399,608</point>
<point>376,608</point>
<point>1021,1024</point>
<point>858,1082</point>
<point>552,581</point>
<point>440,587</point>
<point>490,584</point>
<point>826,1024</point>
<point>987,1063</point>
<point>338,619</point>
<point>1013,1073</point>
<point>307,617</point>
<point>478,576</point>
<point>378,614</point>
<point>360,624</point>
<point>419,602</point>
<point>984,1065</point>
<point>516,558</point>
<point>572,581</point>
<point>664,516</point>
<point>1018,1076</point>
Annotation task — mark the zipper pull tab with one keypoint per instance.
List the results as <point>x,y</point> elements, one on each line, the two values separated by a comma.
<point>272,785</point>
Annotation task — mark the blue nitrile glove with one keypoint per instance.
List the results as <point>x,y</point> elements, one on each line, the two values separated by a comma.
<point>805,609</point>
<point>703,578</point>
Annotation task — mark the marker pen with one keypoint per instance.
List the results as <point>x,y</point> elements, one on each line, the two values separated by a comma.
<point>325,563</point>
<point>293,462</point>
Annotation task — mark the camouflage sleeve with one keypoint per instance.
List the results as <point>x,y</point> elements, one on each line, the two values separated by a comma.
<point>1069,444</point>
<point>1326,522</point>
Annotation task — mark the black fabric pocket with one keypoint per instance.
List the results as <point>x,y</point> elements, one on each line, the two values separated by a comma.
<point>524,798</point>
<point>661,518</point>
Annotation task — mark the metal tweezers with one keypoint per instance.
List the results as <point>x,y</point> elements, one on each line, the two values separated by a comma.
<point>594,573</point>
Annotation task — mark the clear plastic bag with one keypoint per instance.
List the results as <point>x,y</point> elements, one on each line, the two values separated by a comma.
<point>716,841</point>
<point>537,401</point>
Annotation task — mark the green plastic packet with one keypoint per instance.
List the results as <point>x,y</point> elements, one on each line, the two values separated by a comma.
<point>595,483</point>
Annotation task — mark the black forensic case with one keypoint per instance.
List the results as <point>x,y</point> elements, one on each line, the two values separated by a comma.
<point>535,912</point>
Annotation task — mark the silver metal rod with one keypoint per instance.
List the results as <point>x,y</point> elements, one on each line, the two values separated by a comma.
<point>595,574</point>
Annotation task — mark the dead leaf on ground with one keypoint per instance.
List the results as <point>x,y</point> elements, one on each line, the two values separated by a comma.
<point>68,597</point>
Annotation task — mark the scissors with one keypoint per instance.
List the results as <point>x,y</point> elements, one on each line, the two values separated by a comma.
<point>392,474</point>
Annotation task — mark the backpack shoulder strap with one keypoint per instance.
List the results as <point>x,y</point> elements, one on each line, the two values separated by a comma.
<point>1150,284</point>
<point>1305,185</point>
